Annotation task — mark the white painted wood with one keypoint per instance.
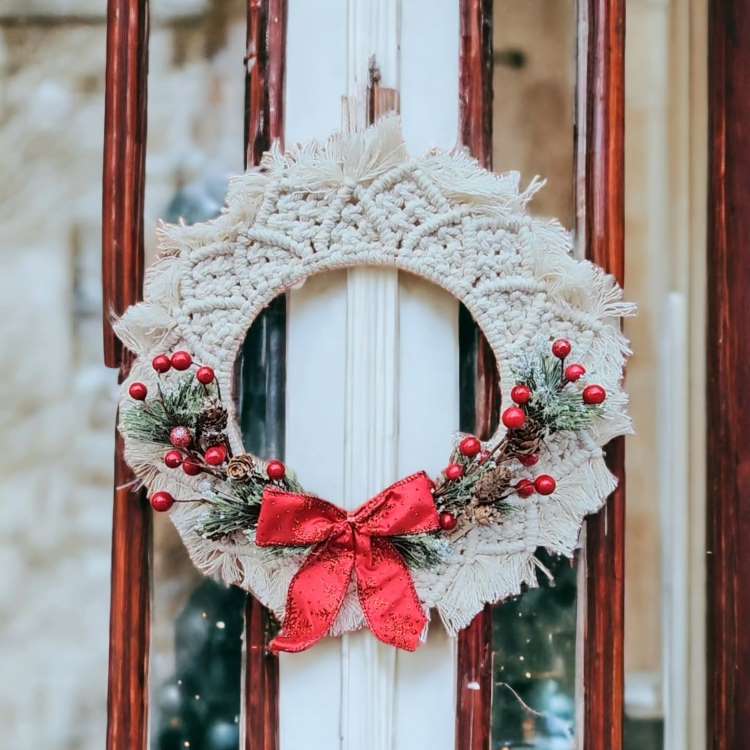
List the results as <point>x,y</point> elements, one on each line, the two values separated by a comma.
<point>370,464</point>
<point>310,682</point>
<point>368,667</point>
<point>370,355</point>
<point>316,75</point>
<point>425,685</point>
<point>429,73</point>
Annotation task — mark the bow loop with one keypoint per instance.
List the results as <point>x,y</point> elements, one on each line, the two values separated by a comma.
<point>345,544</point>
<point>292,520</point>
<point>404,508</point>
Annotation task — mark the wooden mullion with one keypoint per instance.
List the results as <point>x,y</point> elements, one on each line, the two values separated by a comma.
<point>603,181</point>
<point>265,64</point>
<point>728,373</point>
<point>474,661</point>
<point>122,276</point>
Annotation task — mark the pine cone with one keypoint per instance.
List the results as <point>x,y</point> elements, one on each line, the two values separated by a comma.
<point>240,468</point>
<point>484,515</point>
<point>492,485</point>
<point>212,419</point>
<point>527,440</point>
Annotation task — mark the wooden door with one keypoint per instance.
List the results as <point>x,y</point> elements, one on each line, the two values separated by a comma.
<point>359,348</point>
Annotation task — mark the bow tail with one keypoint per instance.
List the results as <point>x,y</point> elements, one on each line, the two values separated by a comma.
<point>386,592</point>
<point>315,596</point>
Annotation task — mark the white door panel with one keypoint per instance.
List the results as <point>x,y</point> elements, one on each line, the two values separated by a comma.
<point>372,375</point>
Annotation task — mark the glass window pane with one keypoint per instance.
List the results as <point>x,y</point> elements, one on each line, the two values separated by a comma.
<point>195,138</point>
<point>534,659</point>
<point>534,636</point>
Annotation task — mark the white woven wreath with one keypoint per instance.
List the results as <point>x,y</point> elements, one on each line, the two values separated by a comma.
<point>360,199</point>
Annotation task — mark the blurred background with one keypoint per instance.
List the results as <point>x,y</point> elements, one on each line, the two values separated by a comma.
<point>57,413</point>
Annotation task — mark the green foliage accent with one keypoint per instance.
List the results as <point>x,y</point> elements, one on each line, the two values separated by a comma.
<point>153,420</point>
<point>237,510</point>
<point>421,550</point>
<point>455,495</point>
<point>231,513</point>
<point>556,405</point>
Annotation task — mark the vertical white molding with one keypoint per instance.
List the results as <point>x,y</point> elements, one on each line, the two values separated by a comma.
<point>370,451</point>
<point>368,667</point>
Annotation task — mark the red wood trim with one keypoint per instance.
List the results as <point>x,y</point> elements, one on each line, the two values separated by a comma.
<point>124,163</point>
<point>728,372</point>
<point>474,663</point>
<point>261,682</point>
<point>475,78</point>
<point>130,614</point>
<point>265,63</point>
<point>122,274</point>
<point>264,80</point>
<point>604,234</point>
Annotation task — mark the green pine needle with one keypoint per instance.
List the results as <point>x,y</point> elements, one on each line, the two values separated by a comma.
<point>556,405</point>
<point>153,420</point>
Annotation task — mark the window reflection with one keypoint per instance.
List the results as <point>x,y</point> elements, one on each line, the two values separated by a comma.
<point>534,636</point>
<point>534,647</point>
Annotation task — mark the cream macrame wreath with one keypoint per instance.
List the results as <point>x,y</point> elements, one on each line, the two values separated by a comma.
<point>361,200</point>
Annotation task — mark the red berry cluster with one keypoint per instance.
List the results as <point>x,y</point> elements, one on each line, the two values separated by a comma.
<point>514,417</point>
<point>591,394</point>
<point>544,484</point>
<point>163,363</point>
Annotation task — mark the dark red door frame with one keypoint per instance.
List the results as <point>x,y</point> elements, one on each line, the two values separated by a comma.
<point>728,375</point>
<point>602,175</point>
<point>474,658</point>
<point>122,274</point>
<point>604,220</point>
<point>265,64</point>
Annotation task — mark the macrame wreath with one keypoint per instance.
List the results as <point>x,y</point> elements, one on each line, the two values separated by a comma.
<point>451,543</point>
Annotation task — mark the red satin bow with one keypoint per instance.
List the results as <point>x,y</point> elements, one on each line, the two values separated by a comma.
<point>348,543</point>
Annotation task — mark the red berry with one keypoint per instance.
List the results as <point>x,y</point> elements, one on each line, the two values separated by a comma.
<point>161,501</point>
<point>191,468</point>
<point>180,437</point>
<point>544,484</point>
<point>514,418</point>
<point>521,394</point>
<point>574,372</point>
<point>138,391</point>
<point>469,446</point>
<point>531,460</point>
<point>453,472</point>
<point>447,521</point>
<point>594,394</point>
<point>205,375</point>
<point>173,459</point>
<point>561,348</point>
<point>181,360</point>
<point>276,470</point>
<point>524,488</point>
<point>215,455</point>
<point>161,363</point>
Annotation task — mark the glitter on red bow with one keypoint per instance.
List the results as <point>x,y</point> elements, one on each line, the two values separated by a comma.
<point>345,544</point>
